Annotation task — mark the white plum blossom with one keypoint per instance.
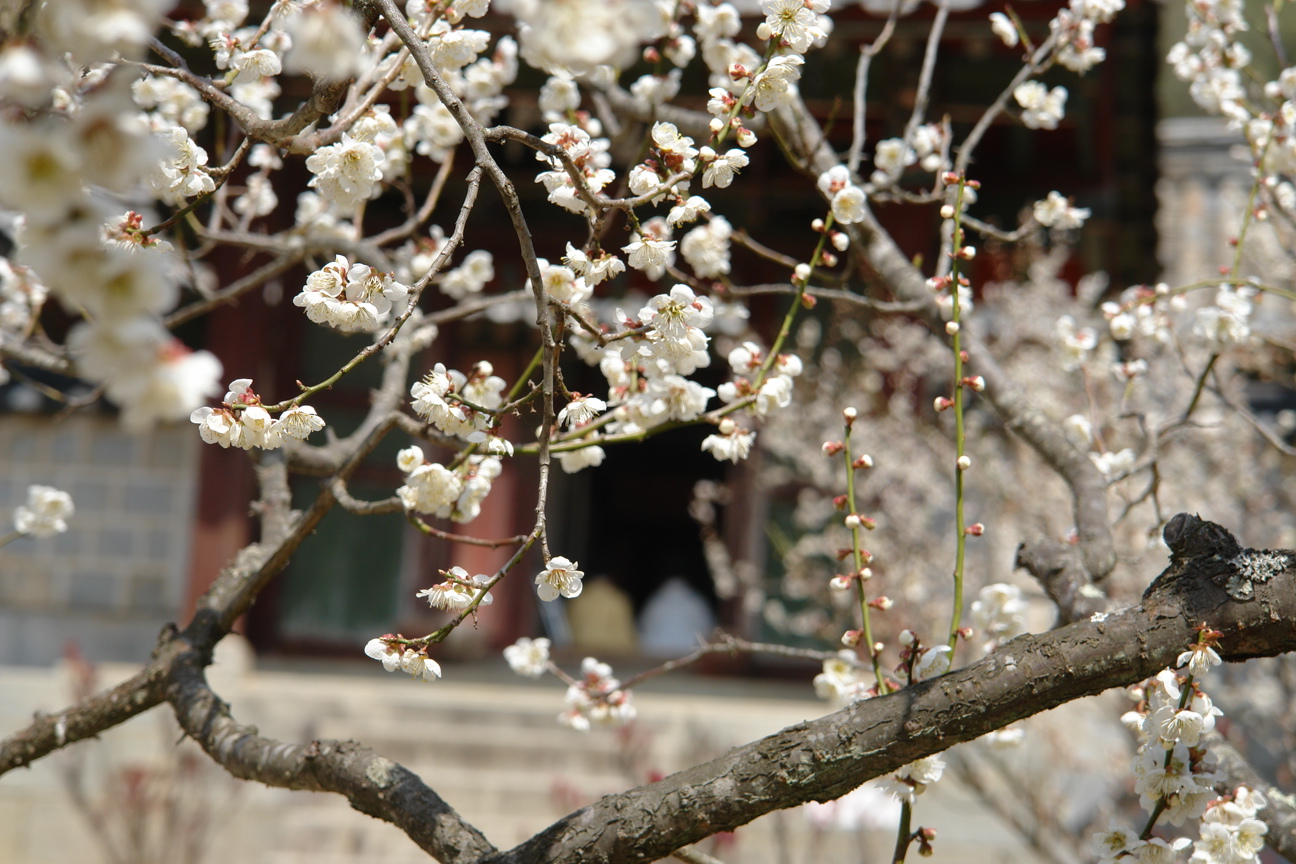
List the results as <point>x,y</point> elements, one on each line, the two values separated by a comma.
<point>732,442</point>
<point>611,32</point>
<point>1004,28</point>
<point>576,460</point>
<point>913,779</point>
<point>45,513</point>
<point>346,173</point>
<point>395,656</point>
<point>706,248</point>
<point>652,250</point>
<point>999,613</point>
<point>1042,108</point>
<point>720,168</point>
<point>183,175</point>
<point>842,680</point>
<point>327,42</point>
<point>1225,322</point>
<point>793,22</point>
<point>1056,212</point>
<point>1074,343</point>
<point>528,657</point>
<point>560,578</point>
<point>581,410</point>
<point>457,591</point>
<point>596,269</point>
<point>471,276</point>
<point>596,698</point>
<point>775,85</point>
<point>847,200</point>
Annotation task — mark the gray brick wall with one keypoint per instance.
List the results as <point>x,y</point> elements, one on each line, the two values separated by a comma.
<point>118,574</point>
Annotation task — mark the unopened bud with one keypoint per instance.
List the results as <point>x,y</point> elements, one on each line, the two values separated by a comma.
<point>949,178</point>
<point>878,648</point>
<point>849,414</point>
<point>908,637</point>
<point>801,273</point>
<point>746,137</point>
<point>852,520</point>
<point>716,125</point>
<point>839,582</point>
<point>951,327</point>
<point>943,403</point>
<point>809,301</point>
<point>727,426</point>
<point>839,502</point>
<point>864,461</point>
<point>967,253</point>
<point>882,604</point>
<point>843,554</point>
<point>947,212</point>
<point>976,529</point>
<point>851,638</point>
<point>828,259</point>
<point>817,224</point>
<point>976,382</point>
<point>865,574</point>
<point>832,448</point>
<point>840,240</point>
<point>868,522</point>
<point>964,463</point>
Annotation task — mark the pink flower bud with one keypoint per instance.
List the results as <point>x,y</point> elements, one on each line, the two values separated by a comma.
<point>943,403</point>
<point>864,461</point>
<point>851,638</point>
<point>832,448</point>
<point>976,529</point>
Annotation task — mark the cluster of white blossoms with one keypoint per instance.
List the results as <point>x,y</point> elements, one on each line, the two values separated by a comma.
<point>351,297</point>
<point>748,362</point>
<point>1074,343</point>
<point>455,493</point>
<point>1055,211</point>
<point>453,402</point>
<point>843,680</point>
<point>1042,108</point>
<point>1175,774</point>
<point>1143,311</point>
<point>1212,60</point>
<point>243,422</point>
<point>458,590</point>
<point>1074,29</point>
<point>848,201</point>
<point>1226,321</point>
<point>999,612</point>
<point>79,137</point>
<point>395,656</point>
<point>597,698</point>
<point>1111,463</point>
<point>590,156</point>
<point>45,513</point>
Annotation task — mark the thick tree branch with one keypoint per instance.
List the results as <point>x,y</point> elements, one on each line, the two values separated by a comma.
<point>373,784</point>
<point>825,758</point>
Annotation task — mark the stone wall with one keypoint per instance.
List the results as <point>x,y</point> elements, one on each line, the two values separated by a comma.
<point>118,574</point>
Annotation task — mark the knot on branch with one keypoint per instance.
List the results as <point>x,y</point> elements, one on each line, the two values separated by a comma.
<point>1203,551</point>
